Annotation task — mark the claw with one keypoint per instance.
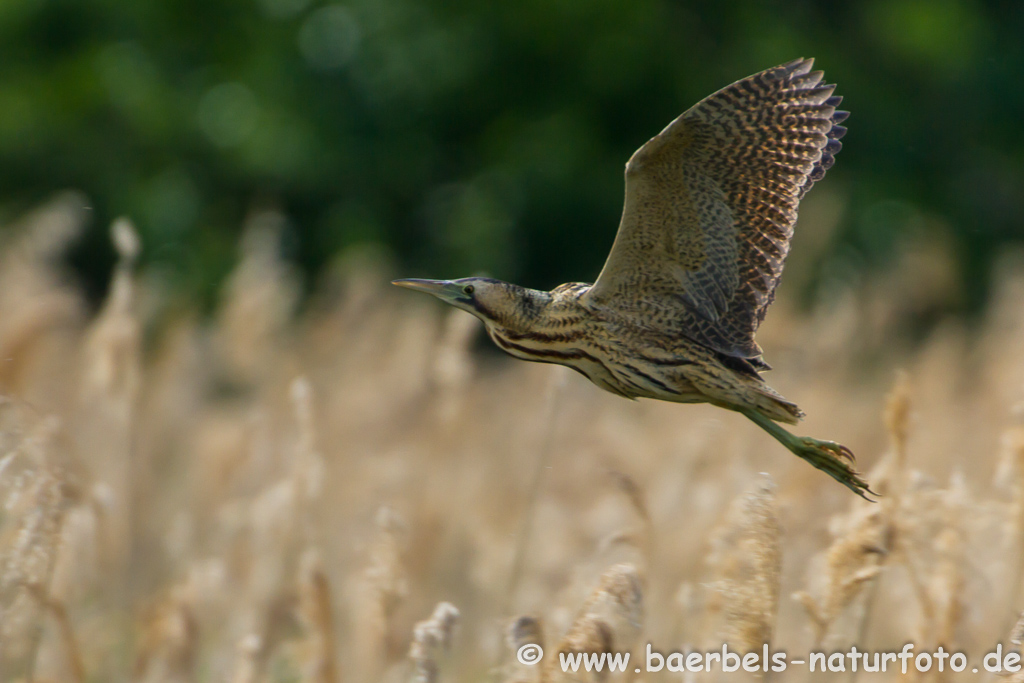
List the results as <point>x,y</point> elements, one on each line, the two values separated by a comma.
<point>851,479</point>
<point>834,459</point>
<point>837,449</point>
<point>837,461</point>
<point>845,453</point>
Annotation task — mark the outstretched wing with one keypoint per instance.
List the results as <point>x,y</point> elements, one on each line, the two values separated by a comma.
<point>710,206</point>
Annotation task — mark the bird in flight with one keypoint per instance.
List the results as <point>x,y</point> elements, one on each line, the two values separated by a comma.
<point>708,217</point>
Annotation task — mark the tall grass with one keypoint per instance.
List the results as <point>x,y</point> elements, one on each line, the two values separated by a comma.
<point>356,493</point>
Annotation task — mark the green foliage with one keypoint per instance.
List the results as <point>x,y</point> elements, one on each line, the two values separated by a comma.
<point>489,136</point>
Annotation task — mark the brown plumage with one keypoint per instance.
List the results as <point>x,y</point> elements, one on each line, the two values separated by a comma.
<point>711,202</point>
<point>708,217</point>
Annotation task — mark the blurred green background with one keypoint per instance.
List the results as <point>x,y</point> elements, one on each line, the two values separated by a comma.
<point>470,136</point>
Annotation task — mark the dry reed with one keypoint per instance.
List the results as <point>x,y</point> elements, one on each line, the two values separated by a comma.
<point>276,494</point>
<point>431,639</point>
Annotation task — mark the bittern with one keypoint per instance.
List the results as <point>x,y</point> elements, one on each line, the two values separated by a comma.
<point>709,212</point>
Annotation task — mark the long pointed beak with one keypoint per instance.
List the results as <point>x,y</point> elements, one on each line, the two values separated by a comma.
<point>445,290</point>
<point>435,287</point>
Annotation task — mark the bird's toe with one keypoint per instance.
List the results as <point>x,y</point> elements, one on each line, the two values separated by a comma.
<point>837,461</point>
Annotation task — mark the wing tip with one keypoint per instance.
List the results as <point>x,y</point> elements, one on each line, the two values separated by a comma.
<point>798,66</point>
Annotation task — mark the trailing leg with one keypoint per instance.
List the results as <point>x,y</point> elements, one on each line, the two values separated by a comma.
<point>832,458</point>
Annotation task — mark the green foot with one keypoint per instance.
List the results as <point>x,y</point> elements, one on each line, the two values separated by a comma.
<point>834,459</point>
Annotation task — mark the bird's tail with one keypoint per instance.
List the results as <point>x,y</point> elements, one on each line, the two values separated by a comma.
<point>774,406</point>
<point>742,392</point>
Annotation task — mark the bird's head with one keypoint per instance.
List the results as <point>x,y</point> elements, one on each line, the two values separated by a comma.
<point>493,301</point>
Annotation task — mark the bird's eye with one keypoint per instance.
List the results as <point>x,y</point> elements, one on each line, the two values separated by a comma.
<point>468,289</point>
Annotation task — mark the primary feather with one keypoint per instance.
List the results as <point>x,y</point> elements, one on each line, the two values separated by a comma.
<point>710,207</point>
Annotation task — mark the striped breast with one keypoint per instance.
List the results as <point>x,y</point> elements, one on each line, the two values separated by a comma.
<point>606,364</point>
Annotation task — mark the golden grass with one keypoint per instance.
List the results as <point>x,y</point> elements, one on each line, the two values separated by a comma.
<point>273,496</point>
